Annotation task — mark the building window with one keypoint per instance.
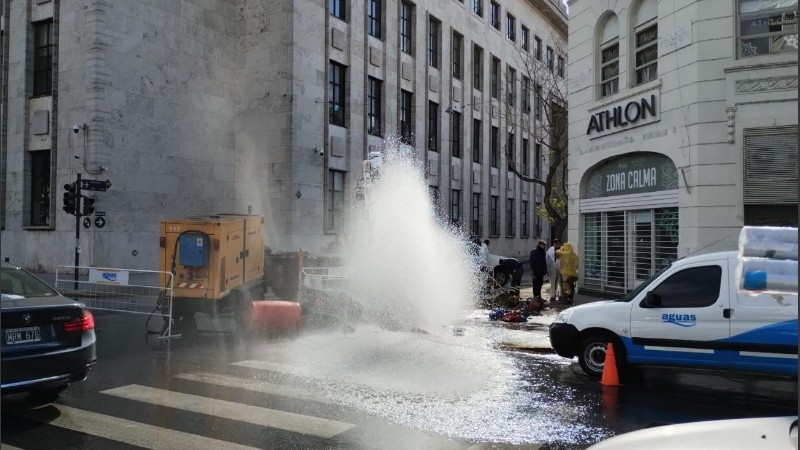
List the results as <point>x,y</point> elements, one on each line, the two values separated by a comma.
<point>495,149</point>
<point>537,161</point>
<point>374,18</point>
<point>477,148</point>
<point>335,200</point>
<point>537,101</point>
<point>511,87</point>
<point>767,27</point>
<point>494,15</point>
<point>336,93</point>
<point>337,8</point>
<point>526,95</point>
<point>433,43</point>
<point>477,7</point>
<point>560,67</point>
<point>510,217</point>
<point>374,107</point>
<point>43,58</point>
<point>526,150</point>
<point>609,70</point>
<point>455,207</point>
<point>476,214</point>
<point>511,151</point>
<point>525,38</point>
<point>433,191</point>
<point>455,119</point>
<point>406,28</point>
<point>511,27</point>
<point>494,216</point>
<point>433,126</point>
<point>495,77</point>
<point>524,219</point>
<point>550,58</point>
<point>458,55</point>
<point>647,54</point>
<point>40,188</point>
<point>406,117</point>
<point>537,47</point>
<point>609,56</point>
<point>477,67</point>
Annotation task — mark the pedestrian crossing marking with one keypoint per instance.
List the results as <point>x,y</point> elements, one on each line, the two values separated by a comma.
<point>262,387</point>
<point>273,418</point>
<point>8,447</point>
<point>123,430</point>
<point>273,367</point>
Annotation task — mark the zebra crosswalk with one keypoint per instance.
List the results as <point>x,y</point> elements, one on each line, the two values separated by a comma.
<point>155,436</point>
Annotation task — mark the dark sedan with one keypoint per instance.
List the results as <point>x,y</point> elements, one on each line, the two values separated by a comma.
<point>48,340</point>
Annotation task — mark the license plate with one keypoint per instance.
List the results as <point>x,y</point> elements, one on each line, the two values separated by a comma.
<point>23,335</point>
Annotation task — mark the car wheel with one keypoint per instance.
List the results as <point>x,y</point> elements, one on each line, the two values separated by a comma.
<point>592,353</point>
<point>46,394</point>
<point>501,277</point>
<point>242,312</point>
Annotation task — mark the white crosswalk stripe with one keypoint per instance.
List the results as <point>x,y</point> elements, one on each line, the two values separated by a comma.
<point>8,447</point>
<point>262,387</point>
<point>126,431</point>
<point>298,423</point>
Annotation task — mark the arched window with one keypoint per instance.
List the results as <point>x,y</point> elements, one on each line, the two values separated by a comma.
<point>609,55</point>
<point>645,42</point>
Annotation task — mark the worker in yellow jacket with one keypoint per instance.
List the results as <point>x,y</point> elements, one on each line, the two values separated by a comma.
<point>568,270</point>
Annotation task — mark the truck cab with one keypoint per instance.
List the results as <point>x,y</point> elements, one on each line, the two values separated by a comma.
<point>690,314</point>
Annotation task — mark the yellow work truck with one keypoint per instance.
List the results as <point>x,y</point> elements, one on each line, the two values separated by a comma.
<point>217,262</point>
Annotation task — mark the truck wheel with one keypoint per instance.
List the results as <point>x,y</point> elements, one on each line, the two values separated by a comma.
<point>242,312</point>
<point>592,353</point>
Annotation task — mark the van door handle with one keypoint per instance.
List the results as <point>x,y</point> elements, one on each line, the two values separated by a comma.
<point>726,313</point>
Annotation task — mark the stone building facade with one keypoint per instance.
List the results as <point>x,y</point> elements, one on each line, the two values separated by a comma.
<point>191,107</point>
<point>683,128</point>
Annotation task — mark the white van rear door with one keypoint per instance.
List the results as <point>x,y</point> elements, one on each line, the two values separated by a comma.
<point>763,330</point>
<point>690,325</point>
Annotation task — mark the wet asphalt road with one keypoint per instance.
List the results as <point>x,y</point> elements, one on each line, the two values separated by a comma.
<point>369,388</point>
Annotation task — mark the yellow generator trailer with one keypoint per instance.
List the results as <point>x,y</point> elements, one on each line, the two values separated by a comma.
<point>217,261</point>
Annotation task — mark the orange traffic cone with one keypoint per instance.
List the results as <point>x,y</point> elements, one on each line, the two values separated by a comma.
<point>610,376</point>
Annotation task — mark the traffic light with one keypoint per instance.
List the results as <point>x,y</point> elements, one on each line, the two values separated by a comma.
<point>88,209</point>
<point>71,199</point>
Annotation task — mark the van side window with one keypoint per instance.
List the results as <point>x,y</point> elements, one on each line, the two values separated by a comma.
<point>695,287</point>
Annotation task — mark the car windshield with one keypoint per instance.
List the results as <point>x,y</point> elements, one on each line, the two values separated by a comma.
<point>17,283</point>
<point>633,293</point>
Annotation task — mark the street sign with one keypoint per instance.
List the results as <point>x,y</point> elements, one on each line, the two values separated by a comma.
<point>99,222</point>
<point>95,185</point>
<point>87,222</point>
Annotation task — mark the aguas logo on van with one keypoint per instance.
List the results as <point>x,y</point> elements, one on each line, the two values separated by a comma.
<point>682,320</point>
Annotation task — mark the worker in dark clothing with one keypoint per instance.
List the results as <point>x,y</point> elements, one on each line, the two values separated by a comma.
<point>514,268</point>
<point>538,260</point>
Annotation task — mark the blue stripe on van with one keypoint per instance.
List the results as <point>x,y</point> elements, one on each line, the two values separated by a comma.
<point>719,359</point>
<point>784,333</point>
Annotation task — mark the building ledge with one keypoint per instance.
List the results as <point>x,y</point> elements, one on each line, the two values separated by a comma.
<point>762,63</point>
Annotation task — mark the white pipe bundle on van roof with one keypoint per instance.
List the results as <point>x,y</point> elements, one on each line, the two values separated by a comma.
<point>767,260</point>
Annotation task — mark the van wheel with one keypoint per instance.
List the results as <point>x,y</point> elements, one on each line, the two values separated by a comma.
<point>242,312</point>
<point>592,353</point>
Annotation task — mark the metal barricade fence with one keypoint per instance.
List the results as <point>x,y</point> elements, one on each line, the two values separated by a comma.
<point>327,284</point>
<point>122,290</point>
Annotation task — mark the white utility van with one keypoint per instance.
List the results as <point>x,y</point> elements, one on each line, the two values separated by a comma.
<point>690,314</point>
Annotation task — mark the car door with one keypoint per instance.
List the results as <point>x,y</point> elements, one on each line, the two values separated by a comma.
<point>690,324</point>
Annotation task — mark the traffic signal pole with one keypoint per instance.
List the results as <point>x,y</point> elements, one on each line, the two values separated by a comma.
<point>77,229</point>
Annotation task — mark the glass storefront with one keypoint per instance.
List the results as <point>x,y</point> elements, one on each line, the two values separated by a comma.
<point>629,214</point>
<point>623,248</point>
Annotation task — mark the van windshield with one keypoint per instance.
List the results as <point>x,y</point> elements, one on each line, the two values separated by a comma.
<point>633,293</point>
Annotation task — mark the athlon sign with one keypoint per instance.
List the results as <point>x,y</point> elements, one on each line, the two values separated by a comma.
<point>631,112</point>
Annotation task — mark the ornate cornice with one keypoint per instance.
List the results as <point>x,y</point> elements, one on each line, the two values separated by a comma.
<point>766,84</point>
